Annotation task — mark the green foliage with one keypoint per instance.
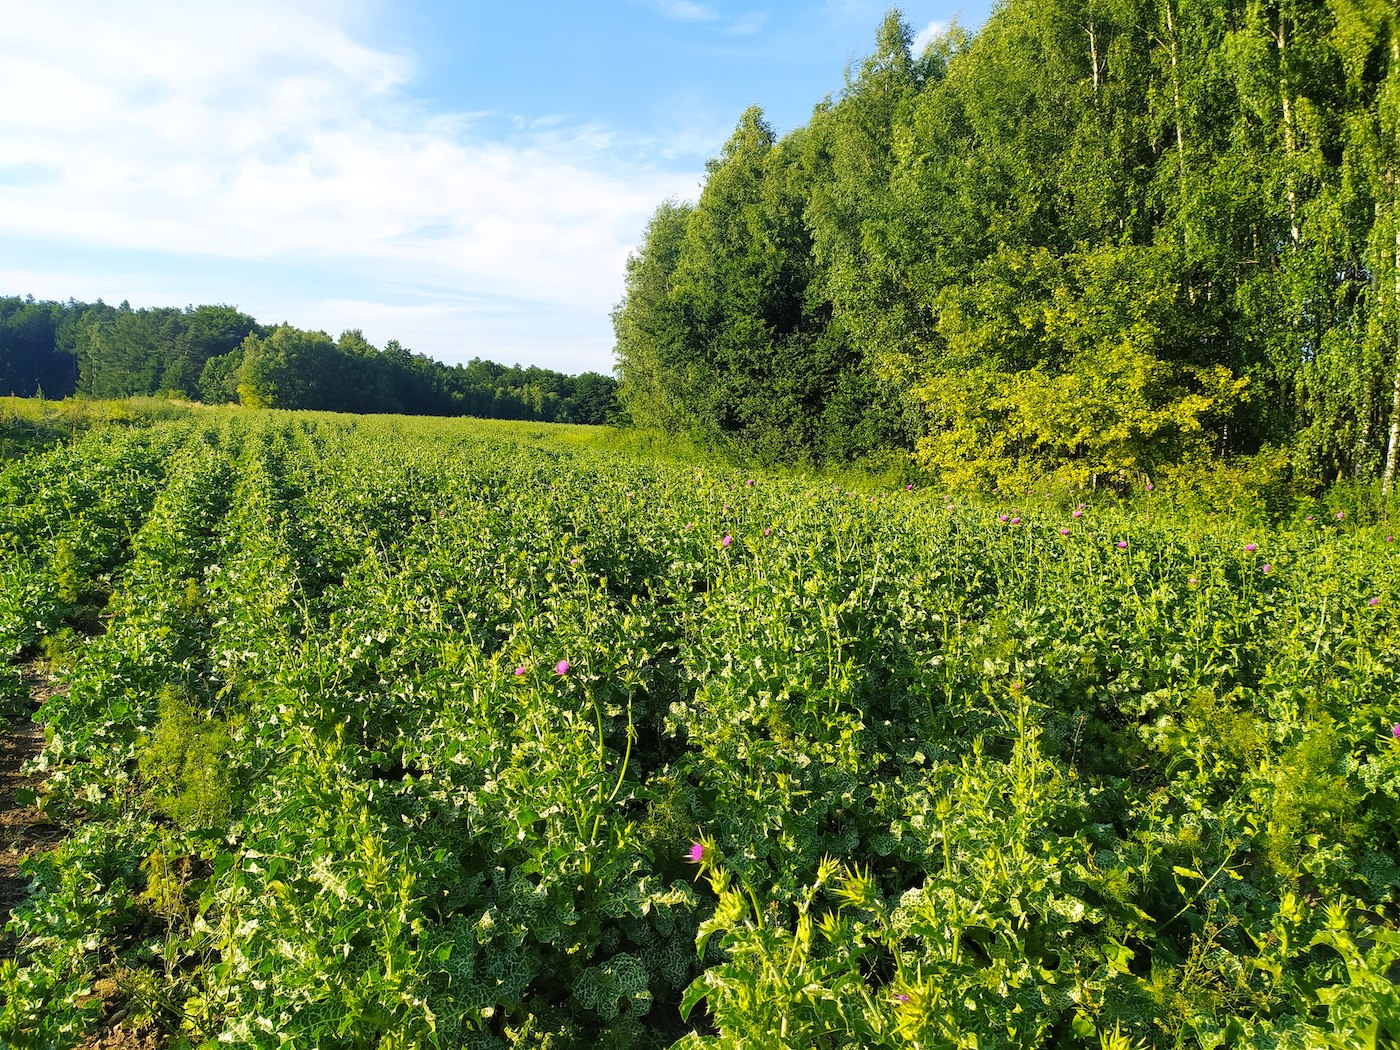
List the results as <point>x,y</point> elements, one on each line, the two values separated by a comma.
<point>98,351</point>
<point>1089,240</point>
<point>402,733</point>
<point>185,764</point>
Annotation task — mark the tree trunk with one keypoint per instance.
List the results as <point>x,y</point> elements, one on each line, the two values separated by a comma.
<point>1092,30</point>
<point>1388,476</point>
<point>1290,135</point>
<point>1174,52</point>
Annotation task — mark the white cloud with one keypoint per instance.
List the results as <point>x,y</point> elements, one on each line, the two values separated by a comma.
<point>262,131</point>
<point>748,24</point>
<point>686,10</point>
<point>929,34</point>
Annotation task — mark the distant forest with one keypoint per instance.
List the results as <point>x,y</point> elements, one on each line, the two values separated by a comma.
<point>1098,238</point>
<point>215,354</point>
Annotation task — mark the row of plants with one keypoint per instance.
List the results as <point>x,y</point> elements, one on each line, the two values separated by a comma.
<point>424,733</point>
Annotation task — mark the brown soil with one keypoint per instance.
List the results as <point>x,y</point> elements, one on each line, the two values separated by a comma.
<point>24,830</point>
<point>117,1033</point>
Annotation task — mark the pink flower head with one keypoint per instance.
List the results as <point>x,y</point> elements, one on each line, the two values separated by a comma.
<point>696,853</point>
<point>901,997</point>
<point>1251,548</point>
<point>1149,486</point>
<point>1309,518</point>
<point>1192,581</point>
<point>562,667</point>
<point>1395,731</point>
<point>520,671</point>
<point>1122,545</point>
<point>1267,568</point>
<point>726,541</point>
<point>908,488</point>
<point>767,531</point>
<point>1015,521</point>
<point>749,482</point>
<point>1341,514</point>
<point>1390,539</point>
<point>1078,512</point>
<point>726,508</point>
<point>1374,601</point>
<point>1001,517</point>
<point>1064,532</point>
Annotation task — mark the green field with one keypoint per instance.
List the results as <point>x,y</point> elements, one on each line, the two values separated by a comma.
<point>388,732</point>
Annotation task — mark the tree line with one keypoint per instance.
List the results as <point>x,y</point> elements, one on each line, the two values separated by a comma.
<point>1098,238</point>
<point>217,354</point>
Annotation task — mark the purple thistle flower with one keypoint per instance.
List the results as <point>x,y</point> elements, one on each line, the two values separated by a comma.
<point>1122,545</point>
<point>1149,486</point>
<point>1078,512</point>
<point>1001,517</point>
<point>1251,548</point>
<point>520,671</point>
<point>1192,581</point>
<point>1015,521</point>
<point>1064,532</point>
<point>1395,731</point>
<point>562,667</point>
<point>1390,539</point>
<point>1267,568</point>
<point>767,531</point>
<point>1341,514</point>
<point>749,482</point>
<point>696,853</point>
<point>901,997</point>
<point>726,541</point>
<point>1374,601</point>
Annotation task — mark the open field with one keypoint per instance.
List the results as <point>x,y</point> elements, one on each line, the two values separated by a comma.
<point>387,732</point>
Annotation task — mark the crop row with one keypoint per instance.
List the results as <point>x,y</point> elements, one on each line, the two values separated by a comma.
<point>389,733</point>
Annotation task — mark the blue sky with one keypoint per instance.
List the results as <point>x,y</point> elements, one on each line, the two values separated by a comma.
<point>467,178</point>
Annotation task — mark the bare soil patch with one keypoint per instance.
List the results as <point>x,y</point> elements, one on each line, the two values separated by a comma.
<point>24,829</point>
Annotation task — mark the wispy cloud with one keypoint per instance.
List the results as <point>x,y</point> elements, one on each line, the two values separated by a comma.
<point>263,132</point>
<point>748,24</point>
<point>929,34</point>
<point>686,10</point>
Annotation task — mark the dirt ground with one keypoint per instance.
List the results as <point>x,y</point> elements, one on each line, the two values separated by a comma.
<point>25,831</point>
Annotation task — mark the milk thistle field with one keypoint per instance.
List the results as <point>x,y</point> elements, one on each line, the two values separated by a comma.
<point>397,733</point>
